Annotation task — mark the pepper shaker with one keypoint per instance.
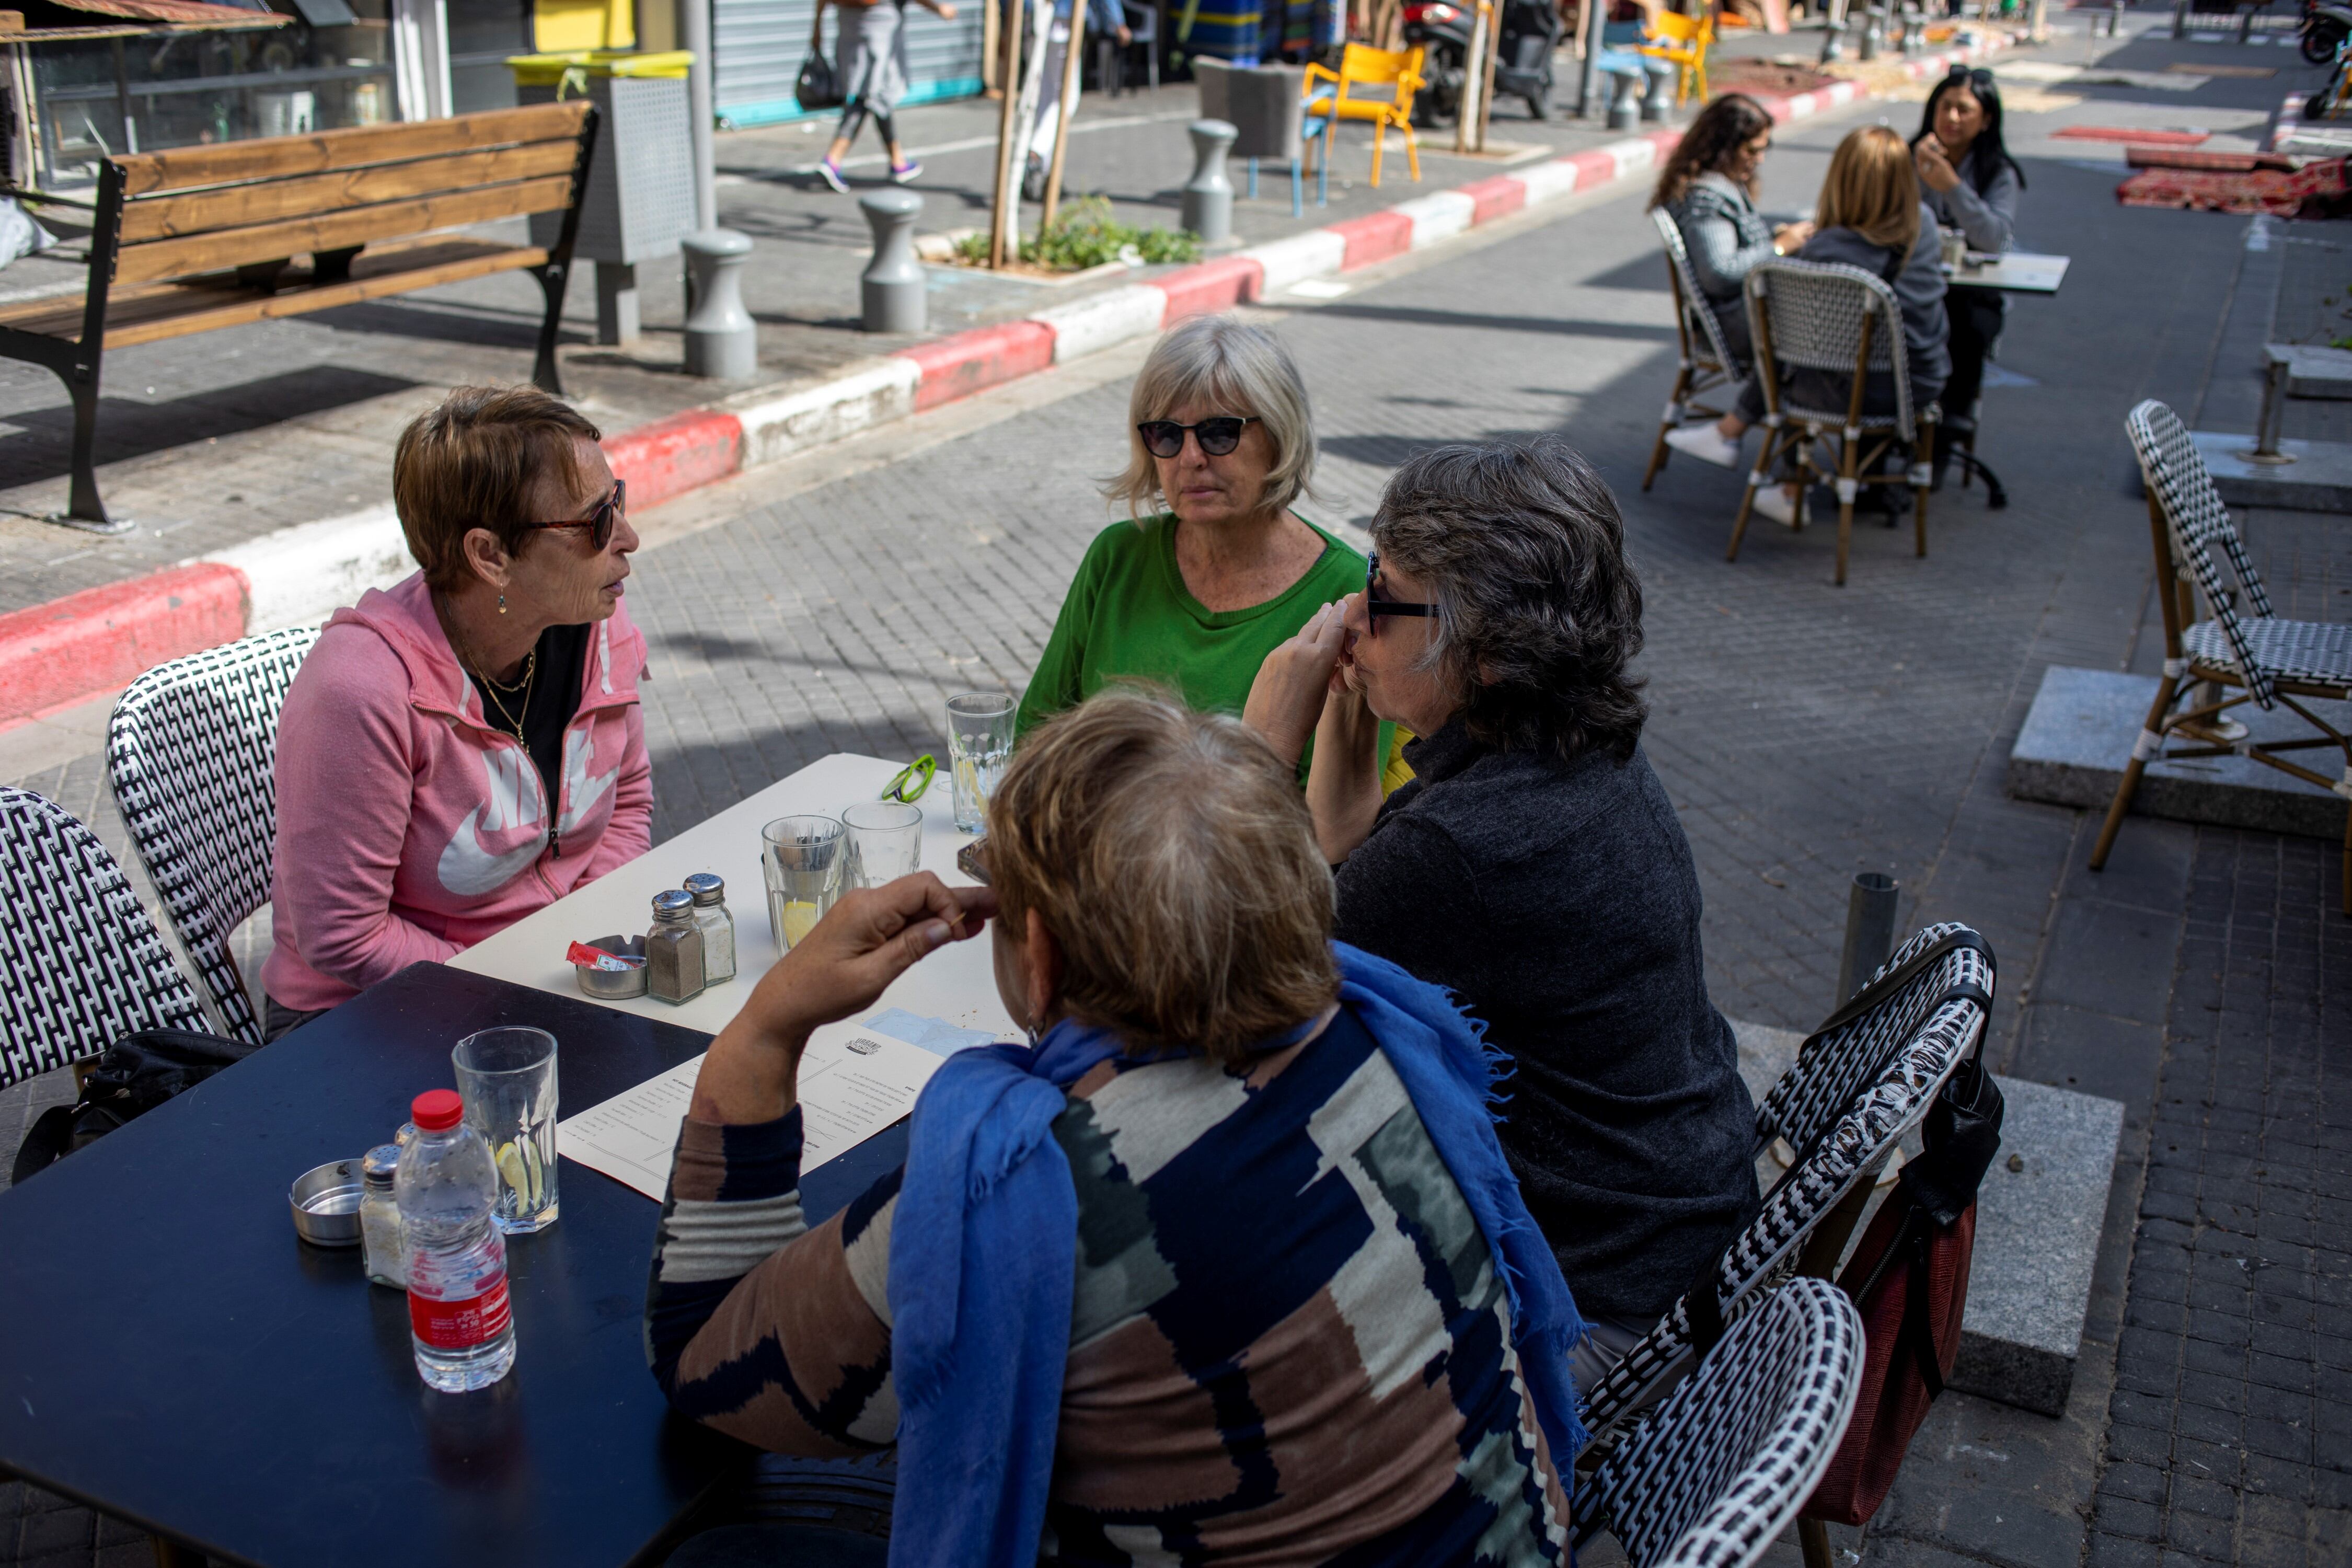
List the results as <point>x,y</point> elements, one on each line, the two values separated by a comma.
<point>674,949</point>
<point>380,1218</point>
<point>718,925</point>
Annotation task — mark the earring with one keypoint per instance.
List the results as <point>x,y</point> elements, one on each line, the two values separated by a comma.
<point>502,603</point>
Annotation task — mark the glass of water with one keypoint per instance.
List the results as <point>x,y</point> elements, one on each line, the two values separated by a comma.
<point>885,841</point>
<point>800,859</point>
<point>980,742</point>
<point>507,1079</point>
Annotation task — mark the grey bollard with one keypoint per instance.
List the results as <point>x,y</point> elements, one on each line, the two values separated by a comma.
<point>1659,101</point>
<point>721,342</point>
<point>892,282</point>
<point>1625,101</point>
<point>1873,35</point>
<point>1208,195</point>
<point>1869,931</point>
<point>1833,39</point>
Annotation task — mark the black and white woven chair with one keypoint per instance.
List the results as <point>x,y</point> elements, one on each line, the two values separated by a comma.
<point>84,963</point>
<point>2242,645</point>
<point>1727,1460</point>
<point>1854,1091</point>
<point>192,749</point>
<point>1838,321</point>
<point>1707,365</point>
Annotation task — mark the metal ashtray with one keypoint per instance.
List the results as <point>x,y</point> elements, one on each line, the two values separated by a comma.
<point>614,984</point>
<point>326,1203</point>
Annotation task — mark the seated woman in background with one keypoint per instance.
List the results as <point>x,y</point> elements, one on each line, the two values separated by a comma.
<point>1215,569</point>
<point>1972,183</point>
<point>466,748</point>
<point>1708,187</point>
<point>1870,216</point>
<point>1227,1265</point>
<point>1534,867</point>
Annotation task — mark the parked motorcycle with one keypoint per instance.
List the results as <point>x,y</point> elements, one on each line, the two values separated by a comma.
<point>2323,31</point>
<point>1530,31</point>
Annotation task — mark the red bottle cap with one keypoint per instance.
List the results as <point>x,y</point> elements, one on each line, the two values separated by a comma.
<point>437,1110</point>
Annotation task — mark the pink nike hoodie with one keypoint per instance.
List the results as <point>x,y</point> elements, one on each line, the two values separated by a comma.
<point>408,826</point>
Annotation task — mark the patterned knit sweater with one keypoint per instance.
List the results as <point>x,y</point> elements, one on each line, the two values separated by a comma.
<point>1288,1341</point>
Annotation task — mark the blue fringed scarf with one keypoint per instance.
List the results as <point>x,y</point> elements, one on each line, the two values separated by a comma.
<point>984,1251</point>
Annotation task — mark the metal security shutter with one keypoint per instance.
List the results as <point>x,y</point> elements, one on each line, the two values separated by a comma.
<point>757,46</point>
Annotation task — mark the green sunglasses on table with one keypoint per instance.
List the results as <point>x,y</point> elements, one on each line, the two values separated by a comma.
<point>912,779</point>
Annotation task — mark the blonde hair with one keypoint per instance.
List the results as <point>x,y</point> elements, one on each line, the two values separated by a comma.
<point>1172,856</point>
<point>1233,368</point>
<point>1872,189</point>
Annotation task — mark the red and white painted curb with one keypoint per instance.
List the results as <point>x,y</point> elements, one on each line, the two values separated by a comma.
<point>97,641</point>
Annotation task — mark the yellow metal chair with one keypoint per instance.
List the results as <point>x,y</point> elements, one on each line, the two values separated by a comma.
<point>1681,40</point>
<point>1399,69</point>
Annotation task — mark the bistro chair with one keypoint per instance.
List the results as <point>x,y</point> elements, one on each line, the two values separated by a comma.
<point>1398,70</point>
<point>84,963</point>
<point>1862,1081</point>
<point>2242,645</point>
<point>1725,1463</point>
<point>193,752</point>
<point>1707,364</point>
<point>1837,321</point>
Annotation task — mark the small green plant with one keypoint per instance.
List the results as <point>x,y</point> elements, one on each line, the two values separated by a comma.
<point>1086,233</point>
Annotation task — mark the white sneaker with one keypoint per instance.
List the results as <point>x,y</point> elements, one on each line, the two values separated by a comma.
<point>1776,503</point>
<point>1706,444</point>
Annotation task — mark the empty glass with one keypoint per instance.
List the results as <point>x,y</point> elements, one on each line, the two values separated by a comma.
<point>800,859</point>
<point>885,841</point>
<point>980,742</point>
<point>507,1079</point>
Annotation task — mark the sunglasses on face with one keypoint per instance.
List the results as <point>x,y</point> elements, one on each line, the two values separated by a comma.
<point>1218,436</point>
<point>1375,606</point>
<point>599,523</point>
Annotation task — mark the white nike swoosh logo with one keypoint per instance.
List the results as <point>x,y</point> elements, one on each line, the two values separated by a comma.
<point>469,871</point>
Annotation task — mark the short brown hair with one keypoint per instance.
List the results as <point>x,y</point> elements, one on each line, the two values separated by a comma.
<point>1872,189</point>
<point>472,462</point>
<point>1172,856</point>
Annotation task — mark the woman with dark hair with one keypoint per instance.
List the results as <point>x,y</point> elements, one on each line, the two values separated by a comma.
<point>1534,865</point>
<point>1708,187</point>
<point>1972,183</point>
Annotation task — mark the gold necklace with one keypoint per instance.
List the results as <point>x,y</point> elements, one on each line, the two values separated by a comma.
<point>491,687</point>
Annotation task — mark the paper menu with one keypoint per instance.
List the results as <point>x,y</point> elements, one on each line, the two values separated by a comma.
<point>855,1081</point>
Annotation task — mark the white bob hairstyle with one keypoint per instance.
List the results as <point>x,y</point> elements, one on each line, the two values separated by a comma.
<point>1225,366</point>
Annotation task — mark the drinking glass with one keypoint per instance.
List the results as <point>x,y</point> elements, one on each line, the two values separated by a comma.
<point>980,742</point>
<point>885,841</point>
<point>800,859</point>
<point>507,1079</point>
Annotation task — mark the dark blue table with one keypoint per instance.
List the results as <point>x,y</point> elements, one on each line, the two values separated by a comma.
<point>172,1354</point>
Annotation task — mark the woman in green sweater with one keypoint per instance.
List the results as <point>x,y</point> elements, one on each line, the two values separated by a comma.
<point>1215,571</point>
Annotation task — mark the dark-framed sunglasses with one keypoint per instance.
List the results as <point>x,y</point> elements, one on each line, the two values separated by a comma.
<point>1975,76</point>
<point>599,523</point>
<point>1375,606</point>
<point>1217,435</point>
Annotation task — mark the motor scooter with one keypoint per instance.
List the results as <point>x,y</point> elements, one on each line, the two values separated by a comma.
<point>2322,31</point>
<point>1530,31</point>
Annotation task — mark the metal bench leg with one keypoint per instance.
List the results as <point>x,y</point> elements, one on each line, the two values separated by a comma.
<point>552,278</point>
<point>84,510</point>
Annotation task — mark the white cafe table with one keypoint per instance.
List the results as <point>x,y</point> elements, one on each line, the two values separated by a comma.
<point>956,983</point>
<point>2013,271</point>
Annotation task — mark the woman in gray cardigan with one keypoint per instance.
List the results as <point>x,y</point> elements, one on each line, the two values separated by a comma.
<point>1872,217</point>
<point>1708,187</point>
<point>1972,183</point>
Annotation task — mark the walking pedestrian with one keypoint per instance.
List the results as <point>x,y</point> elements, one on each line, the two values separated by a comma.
<point>874,34</point>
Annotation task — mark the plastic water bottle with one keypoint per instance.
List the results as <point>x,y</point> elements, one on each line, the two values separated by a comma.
<point>458,1317</point>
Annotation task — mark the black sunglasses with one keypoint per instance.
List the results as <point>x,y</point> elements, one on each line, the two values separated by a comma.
<point>1375,606</point>
<point>1219,436</point>
<point>1976,76</point>
<point>600,521</point>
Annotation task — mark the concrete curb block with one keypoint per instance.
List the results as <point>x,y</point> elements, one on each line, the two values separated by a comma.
<point>97,641</point>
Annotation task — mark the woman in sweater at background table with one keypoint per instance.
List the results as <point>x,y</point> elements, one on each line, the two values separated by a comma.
<point>1708,186</point>
<point>1970,183</point>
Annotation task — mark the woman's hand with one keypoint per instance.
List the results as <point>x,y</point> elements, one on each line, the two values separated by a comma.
<point>841,967</point>
<point>1286,701</point>
<point>1790,239</point>
<point>1935,171</point>
<point>945,12</point>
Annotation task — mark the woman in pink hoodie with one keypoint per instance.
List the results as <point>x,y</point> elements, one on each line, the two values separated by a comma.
<point>466,748</point>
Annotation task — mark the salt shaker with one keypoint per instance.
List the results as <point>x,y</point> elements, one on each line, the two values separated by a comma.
<point>380,1217</point>
<point>674,949</point>
<point>717,926</point>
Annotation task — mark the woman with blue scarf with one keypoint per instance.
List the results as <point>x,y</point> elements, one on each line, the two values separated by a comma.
<point>1226,1263</point>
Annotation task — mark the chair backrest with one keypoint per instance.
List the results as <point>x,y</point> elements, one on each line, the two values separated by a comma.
<point>1727,1460</point>
<point>84,963</point>
<point>1693,31</point>
<point>1812,312</point>
<point>1700,327</point>
<point>1875,1115</point>
<point>1263,103</point>
<point>192,749</point>
<point>2197,522</point>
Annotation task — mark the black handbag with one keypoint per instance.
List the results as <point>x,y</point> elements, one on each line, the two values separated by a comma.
<point>136,1074</point>
<point>820,85</point>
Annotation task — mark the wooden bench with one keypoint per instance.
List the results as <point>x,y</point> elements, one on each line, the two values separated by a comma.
<point>201,238</point>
